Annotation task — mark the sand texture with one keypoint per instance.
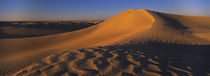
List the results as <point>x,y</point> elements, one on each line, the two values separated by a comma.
<point>132,43</point>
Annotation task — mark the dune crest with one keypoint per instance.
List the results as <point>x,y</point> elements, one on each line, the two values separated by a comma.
<point>132,27</point>
<point>114,29</point>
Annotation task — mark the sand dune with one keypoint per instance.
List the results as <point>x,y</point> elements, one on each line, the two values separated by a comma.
<point>132,43</point>
<point>23,29</point>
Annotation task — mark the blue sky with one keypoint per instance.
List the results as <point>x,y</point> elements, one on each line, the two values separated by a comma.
<point>12,10</point>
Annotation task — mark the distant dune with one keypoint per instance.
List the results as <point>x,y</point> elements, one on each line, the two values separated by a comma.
<point>23,29</point>
<point>132,43</point>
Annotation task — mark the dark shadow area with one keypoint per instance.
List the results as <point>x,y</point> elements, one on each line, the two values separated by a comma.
<point>40,28</point>
<point>168,59</point>
<point>171,22</point>
<point>180,59</point>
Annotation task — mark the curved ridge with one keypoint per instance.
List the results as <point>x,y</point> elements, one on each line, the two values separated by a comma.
<point>111,30</point>
<point>165,28</point>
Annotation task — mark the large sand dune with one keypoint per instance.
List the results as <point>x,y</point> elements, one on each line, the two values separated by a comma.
<point>135,42</point>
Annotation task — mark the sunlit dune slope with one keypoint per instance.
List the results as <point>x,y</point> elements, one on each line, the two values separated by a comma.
<point>140,25</point>
<point>129,27</point>
<point>112,30</point>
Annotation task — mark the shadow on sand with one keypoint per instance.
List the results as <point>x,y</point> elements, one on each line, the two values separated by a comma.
<point>166,60</point>
<point>183,60</point>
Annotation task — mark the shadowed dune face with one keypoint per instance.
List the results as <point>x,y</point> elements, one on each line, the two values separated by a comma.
<point>198,25</point>
<point>126,41</point>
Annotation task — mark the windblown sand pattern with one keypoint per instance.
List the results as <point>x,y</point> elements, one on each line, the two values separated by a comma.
<point>133,43</point>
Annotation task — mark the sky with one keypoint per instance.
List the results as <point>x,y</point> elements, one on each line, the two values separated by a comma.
<point>33,10</point>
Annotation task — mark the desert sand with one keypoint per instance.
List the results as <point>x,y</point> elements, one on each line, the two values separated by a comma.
<point>132,43</point>
<point>23,29</point>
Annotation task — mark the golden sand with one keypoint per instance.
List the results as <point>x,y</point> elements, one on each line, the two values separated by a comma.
<point>143,42</point>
